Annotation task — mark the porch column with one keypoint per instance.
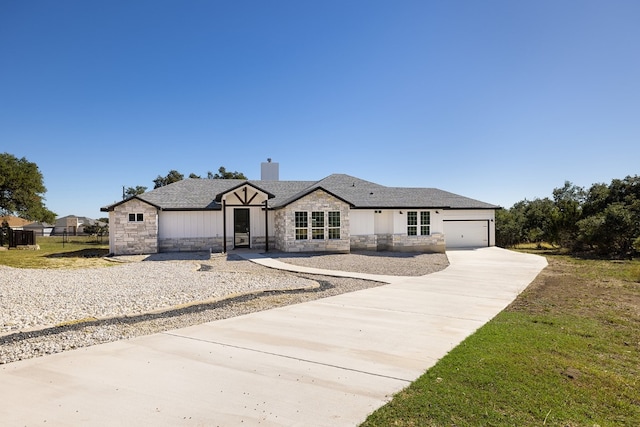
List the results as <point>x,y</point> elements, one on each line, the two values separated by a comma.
<point>224,226</point>
<point>266,227</point>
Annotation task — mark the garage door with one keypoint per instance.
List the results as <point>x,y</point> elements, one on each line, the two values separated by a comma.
<point>466,234</point>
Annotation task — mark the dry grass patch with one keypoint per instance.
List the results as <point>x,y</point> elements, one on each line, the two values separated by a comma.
<point>77,252</point>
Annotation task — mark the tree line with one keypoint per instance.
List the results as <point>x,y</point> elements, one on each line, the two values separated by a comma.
<point>603,220</point>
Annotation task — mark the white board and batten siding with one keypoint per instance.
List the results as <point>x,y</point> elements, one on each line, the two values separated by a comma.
<point>186,224</point>
<point>469,228</point>
<point>361,222</point>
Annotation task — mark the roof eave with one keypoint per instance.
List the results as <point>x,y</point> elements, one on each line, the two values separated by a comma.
<point>218,197</point>
<point>111,207</point>
<point>309,191</point>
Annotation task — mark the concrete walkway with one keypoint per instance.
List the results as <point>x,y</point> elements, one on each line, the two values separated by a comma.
<point>328,362</point>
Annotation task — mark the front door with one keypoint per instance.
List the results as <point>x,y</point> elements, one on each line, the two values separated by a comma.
<point>241,228</point>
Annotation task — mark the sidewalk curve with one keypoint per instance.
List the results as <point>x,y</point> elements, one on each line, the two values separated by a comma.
<point>328,362</point>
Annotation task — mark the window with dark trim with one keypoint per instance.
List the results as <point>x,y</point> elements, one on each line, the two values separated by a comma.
<point>136,217</point>
<point>425,223</point>
<point>417,223</point>
<point>412,223</point>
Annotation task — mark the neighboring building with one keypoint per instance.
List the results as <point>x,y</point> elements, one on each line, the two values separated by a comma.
<point>15,223</point>
<point>339,213</point>
<point>72,225</point>
<point>39,228</point>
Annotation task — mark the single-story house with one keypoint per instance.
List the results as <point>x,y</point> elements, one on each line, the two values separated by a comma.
<point>14,222</point>
<point>339,213</point>
<point>40,228</point>
<point>72,225</point>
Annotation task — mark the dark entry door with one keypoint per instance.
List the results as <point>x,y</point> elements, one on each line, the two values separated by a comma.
<point>241,228</point>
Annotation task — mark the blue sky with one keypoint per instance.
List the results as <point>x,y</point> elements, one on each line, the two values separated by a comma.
<point>495,100</point>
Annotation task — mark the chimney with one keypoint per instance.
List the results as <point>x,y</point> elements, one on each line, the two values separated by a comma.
<point>269,171</point>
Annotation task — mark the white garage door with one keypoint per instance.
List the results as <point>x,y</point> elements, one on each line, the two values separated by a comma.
<point>466,234</point>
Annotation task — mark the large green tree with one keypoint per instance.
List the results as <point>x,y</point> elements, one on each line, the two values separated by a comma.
<point>172,176</point>
<point>568,201</point>
<point>133,191</point>
<point>22,189</point>
<point>224,174</point>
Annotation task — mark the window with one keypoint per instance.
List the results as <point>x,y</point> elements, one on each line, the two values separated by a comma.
<point>425,223</point>
<point>323,225</point>
<point>412,223</point>
<point>317,225</point>
<point>136,217</point>
<point>334,225</point>
<point>301,223</point>
<point>413,226</point>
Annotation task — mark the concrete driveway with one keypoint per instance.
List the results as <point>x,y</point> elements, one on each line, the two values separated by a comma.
<point>327,362</point>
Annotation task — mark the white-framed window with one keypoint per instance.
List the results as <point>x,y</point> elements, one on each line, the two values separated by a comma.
<point>323,225</point>
<point>334,224</point>
<point>136,217</point>
<point>317,225</point>
<point>418,223</point>
<point>301,225</point>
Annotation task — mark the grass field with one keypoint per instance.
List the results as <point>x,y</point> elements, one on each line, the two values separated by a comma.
<point>565,353</point>
<point>54,252</point>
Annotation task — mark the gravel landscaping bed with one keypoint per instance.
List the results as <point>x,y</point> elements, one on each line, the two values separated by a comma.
<point>49,311</point>
<point>387,263</point>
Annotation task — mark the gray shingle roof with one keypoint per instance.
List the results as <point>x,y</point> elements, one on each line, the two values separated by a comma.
<point>200,194</point>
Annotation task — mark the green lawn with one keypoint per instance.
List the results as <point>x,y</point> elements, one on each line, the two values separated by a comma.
<point>565,353</point>
<point>54,252</point>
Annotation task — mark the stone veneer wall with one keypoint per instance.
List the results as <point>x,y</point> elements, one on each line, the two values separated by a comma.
<point>398,243</point>
<point>258,242</point>
<point>367,242</point>
<point>403,243</point>
<point>384,242</point>
<point>132,237</point>
<point>192,244</point>
<point>213,244</point>
<point>317,201</point>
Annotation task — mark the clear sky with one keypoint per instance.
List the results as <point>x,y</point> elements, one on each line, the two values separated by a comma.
<point>495,100</point>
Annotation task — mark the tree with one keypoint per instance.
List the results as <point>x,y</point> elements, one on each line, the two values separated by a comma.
<point>611,218</point>
<point>4,232</point>
<point>604,219</point>
<point>539,216</point>
<point>97,230</point>
<point>568,202</point>
<point>509,226</point>
<point>131,191</point>
<point>22,190</point>
<point>172,176</point>
<point>223,174</point>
